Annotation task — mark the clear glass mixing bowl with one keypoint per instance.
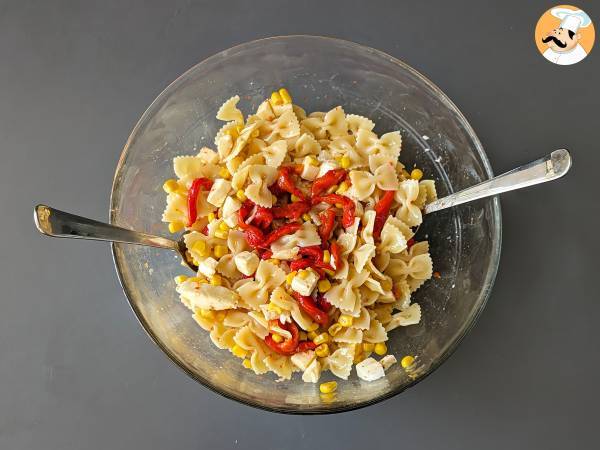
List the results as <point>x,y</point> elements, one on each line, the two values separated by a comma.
<point>320,73</point>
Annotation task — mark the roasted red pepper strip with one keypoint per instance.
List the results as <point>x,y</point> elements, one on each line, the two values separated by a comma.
<point>291,211</point>
<point>263,217</point>
<point>255,237</point>
<point>323,303</point>
<point>289,346</point>
<point>348,207</point>
<point>327,218</point>
<point>410,243</point>
<point>382,209</point>
<point>288,228</point>
<point>285,182</point>
<point>299,264</point>
<point>336,254</point>
<point>314,252</point>
<point>192,200</point>
<point>324,182</point>
<point>306,345</point>
<point>243,213</point>
<point>310,308</point>
<point>266,254</point>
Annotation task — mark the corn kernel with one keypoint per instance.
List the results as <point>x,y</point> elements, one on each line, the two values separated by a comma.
<point>306,217</point>
<point>238,351</point>
<point>326,256</point>
<point>276,99</point>
<point>274,261</point>
<point>211,217</point>
<point>313,161</point>
<point>303,274</point>
<point>277,338</point>
<point>247,364</point>
<point>199,246</point>
<point>220,251</point>
<point>223,226</point>
<point>290,277</point>
<point>180,279</point>
<point>368,346</point>
<point>197,280</point>
<point>313,327</point>
<point>343,188</point>
<point>335,329</point>
<point>329,387</point>
<point>170,186</point>
<point>328,398</point>
<point>285,96</point>
<point>346,320</point>
<point>339,205</point>
<point>220,316</point>
<point>324,285</point>
<point>322,339</point>
<point>207,314</point>
<point>416,174</point>
<point>295,198</point>
<point>175,227</point>
<point>221,234</point>
<point>345,162</point>
<point>224,173</point>
<point>241,195</point>
<point>312,335</point>
<point>216,280</point>
<point>380,348</point>
<point>322,350</point>
<point>407,361</point>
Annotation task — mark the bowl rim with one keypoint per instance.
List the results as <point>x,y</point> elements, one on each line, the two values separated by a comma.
<point>488,281</point>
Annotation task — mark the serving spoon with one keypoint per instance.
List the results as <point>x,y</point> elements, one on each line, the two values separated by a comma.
<point>55,223</point>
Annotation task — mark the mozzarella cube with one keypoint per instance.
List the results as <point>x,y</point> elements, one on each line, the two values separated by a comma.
<point>369,370</point>
<point>309,171</point>
<point>326,167</point>
<point>387,361</point>
<point>218,192</point>
<point>312,372</point>
<point>207,266</point>
<point>305,281</point>
<point>246,262</point>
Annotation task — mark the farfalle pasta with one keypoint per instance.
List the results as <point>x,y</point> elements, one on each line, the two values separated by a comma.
<point>302,229</point>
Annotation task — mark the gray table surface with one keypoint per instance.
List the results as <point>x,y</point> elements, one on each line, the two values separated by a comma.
<point>77,371</point>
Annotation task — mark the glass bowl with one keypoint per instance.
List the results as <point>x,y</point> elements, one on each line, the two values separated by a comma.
<point>320,73</point>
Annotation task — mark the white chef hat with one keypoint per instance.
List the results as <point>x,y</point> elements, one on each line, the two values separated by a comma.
<point>571,20</point>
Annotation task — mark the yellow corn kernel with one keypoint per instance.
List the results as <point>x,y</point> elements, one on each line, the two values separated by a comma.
<point>199,246</point>
<point>339,205</point>
<point>224,173</point>
<point>170,186</point>
<point>180,279</point>
<point>368,346</point>
<point>247,364</point>
<point>416,174</point>
<point>343,188</point>
<point>238,351</point>
<point>313,161</point>
<point>220,316</point>
<point>324,285</point>
<point>276,99</point>
<point>197,280</point>
<point>211,217</point>
<point>216,280</point>
<point>302,274</point>
<point>345,320</point>
<point>407,361</point>
<point>295,198</point>
<point>306,217</point>
<point>207,314</point>
<point>335,329</point>
<point>328,398</point>
<point>345,162</point>
<point>322,350</point>
<point>274,261</point>
<point>220,251</point>
<point>290,277</point>
<point>380,348</point>
<point>241,195</point>
<point>285,96</point>
<point>221,234</point>
<point>332,189</point>
<point>329,387</point>
<point>313,327</point>
<point>277,338</point>
<point>326,256</point>
<point>175,227</point>
<point>223,226</point>
<point>312,335</point>
<point>322,339</point>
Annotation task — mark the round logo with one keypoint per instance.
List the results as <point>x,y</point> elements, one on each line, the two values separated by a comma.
<point>564,35</point>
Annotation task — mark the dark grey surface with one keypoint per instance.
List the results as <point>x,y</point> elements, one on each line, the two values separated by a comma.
<point>76,370</point>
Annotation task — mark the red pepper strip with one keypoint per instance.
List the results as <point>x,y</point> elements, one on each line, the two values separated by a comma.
<point>314,252</point>
<point>310,308</point>
<point>327,218</point>
<point>324,182</point>
<point>299,264</point>
<point>291,211</point>
<point>410,243</point>
<point>348,207</point>
<point>193,193</point>
<point>336,254</point>
<point>263,217</point>
<point>289,346</point>
<point>382,209</point>
<point>286,183</point>
<point>266,254</point>
<point>323,303</point>
<point>255,237</point>
<point>244,212</point>
<point>306,345</point>
<point>288,228</point>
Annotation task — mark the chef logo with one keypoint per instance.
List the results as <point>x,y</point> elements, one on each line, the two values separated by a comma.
<point>564,35</point>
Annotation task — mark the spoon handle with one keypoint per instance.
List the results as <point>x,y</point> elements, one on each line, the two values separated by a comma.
<point>548,168</point>
<point>55,223</point>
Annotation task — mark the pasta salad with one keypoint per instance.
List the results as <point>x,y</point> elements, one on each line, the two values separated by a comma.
<point>301,226</point>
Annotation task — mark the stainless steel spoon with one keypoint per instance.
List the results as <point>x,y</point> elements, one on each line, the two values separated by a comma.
<point>53,222</point>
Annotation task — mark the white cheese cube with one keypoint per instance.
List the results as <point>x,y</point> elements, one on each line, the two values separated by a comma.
<point>309,171</point>
<point>246,262</point>
<point>312,372</point>
<point>218,192</point>
<point>305,286</point>
<point>207,266</point>
<point>369,370</point>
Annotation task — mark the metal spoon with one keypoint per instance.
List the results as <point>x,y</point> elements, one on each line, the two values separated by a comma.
<point>53,222</point>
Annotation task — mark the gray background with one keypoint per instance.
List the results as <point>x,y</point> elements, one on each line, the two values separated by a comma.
<point>76,370</point>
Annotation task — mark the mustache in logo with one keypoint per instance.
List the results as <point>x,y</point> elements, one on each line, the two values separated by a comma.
<point>555,40</point>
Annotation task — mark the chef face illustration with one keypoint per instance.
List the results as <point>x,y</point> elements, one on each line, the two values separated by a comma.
<point>562,31</point>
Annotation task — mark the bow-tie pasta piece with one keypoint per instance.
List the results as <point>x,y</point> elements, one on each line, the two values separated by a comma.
<point>306,145</point>
<point>256,292</point>
<point>389,144</point>
<point>261,178</point>
<point>229,111</point>
<point>356,122</point>
<point>252,344</point>
<point>222,336</point>
<point>188,168</point>
<point>364,183</point>
<point>408,211</point>
<point>340,362</point>
<point>376,332</point>
<point>280,365</point>
<point>427,193</point>
<point>275,153</point>
<point>409,316</point>
<point>207,296</point>
<point>313,372</point>
<point>285,126</point>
